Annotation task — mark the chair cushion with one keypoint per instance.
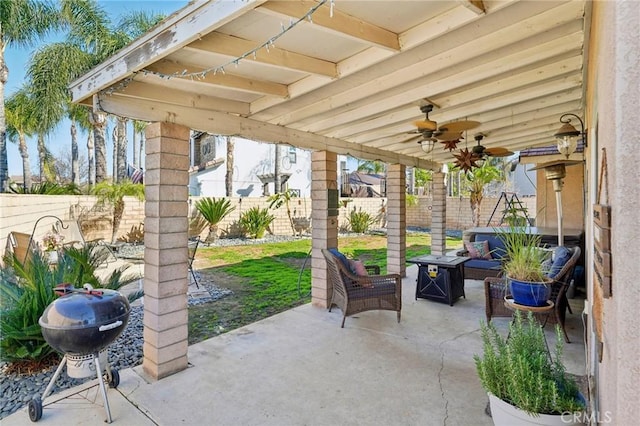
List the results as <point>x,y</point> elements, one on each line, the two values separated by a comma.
<point>561,256</point>
<point>341,257</point>
<point>478,249</point>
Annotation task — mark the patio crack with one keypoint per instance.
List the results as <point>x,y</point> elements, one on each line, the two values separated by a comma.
<point>442,353</point>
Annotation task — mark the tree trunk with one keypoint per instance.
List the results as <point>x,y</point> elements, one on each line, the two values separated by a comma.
<point>75,165</point>
<point>26,165</point>
<point>121,151</point>
<point>118,210</point>
<point>91,160</point>
<point>476,200</point>
<point>99,121</point>
<point>276,172</point>
<point>4,164</point>
<point>140,157</point>
<point>135,161</point>
<point>228,178</point>
<point>114,154</point>
<point>41,156</point>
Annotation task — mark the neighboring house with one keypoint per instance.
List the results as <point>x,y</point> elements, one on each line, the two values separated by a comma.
<point>253,167</point>
<point>360,184</point>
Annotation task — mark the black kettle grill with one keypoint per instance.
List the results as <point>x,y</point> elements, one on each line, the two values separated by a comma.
<point>81,324</point>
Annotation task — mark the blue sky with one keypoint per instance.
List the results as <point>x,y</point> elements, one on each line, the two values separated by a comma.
<point>60,140</point>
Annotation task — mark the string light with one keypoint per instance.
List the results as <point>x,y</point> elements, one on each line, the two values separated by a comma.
<point>267,45</point>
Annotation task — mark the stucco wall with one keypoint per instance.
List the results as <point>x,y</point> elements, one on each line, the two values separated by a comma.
<point>572,199</point>
<point>613,105</point>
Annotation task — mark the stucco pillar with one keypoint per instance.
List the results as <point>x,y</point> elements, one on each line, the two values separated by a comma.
<point>396,220</point>
<point>324,226</point>
<point>165,255</point>
<point>438,215</point>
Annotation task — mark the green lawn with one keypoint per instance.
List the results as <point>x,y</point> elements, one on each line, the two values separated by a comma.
<point>266,279</point>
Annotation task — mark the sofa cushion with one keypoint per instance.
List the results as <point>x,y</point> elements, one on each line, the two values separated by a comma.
<point>478,249</point>
<point>482,264</point>
<point>496,246</point>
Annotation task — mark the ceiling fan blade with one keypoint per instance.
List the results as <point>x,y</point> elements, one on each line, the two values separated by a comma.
<point>426,125</point>
<point>447,136</point>
<point>498,152</point>
<point>459,126</point>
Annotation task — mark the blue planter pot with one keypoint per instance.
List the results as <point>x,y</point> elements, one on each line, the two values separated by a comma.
<point>530,293</point>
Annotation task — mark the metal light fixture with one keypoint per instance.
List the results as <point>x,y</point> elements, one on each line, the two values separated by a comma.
<point>567,136</point>
<point>427,145</point>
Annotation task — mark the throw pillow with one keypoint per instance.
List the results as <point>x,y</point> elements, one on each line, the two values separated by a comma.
<point>478,249</point>
<point>358,268</point>
<point>560,256</point>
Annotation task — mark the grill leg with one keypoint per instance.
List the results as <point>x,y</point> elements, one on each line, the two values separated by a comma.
<point>52,383</point>
<point>103,388</point>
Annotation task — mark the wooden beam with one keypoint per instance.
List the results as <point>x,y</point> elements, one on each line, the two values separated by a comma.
<point>235,47</point>
<point>227,124</point>
<point>340,22</point>
<point>163,93</point>
<point>226,79</point>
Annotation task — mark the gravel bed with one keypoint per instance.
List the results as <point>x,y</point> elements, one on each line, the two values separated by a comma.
<point>17,390</point>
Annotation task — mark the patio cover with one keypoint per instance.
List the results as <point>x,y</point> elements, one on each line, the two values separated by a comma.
<point>350,76</point>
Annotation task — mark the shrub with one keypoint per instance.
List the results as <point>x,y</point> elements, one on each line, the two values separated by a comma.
<point>360,221</point>
<point>519,369</point>
<point>26,289</point>
<point>255,221</point>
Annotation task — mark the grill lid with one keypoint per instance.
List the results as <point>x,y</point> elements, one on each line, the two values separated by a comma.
<point>83,308</point>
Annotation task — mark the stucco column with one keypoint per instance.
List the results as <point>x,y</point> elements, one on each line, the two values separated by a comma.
<point>438,215</point>
<point>165,255</point>
<point>324,226</point>
<point>396,220</point>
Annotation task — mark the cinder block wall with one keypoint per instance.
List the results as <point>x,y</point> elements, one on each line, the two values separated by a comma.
<point>20,213</point>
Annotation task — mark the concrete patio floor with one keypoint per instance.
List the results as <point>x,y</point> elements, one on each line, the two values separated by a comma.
<point>300,368</point>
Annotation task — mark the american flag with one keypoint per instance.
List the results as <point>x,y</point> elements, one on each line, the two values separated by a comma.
<point>135,174</point>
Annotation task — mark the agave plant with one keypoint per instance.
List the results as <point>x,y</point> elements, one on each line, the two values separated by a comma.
<point>214,211</point>
<point>26,289</point>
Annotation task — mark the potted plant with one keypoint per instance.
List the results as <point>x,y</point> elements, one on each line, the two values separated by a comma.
<point>523,266</point>
<point>525,384</point>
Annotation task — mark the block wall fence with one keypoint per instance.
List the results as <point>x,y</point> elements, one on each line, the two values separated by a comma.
<point>20,213</point>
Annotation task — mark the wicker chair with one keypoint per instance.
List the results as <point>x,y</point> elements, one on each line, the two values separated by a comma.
<point>495,290</point>
<point>354,294</point>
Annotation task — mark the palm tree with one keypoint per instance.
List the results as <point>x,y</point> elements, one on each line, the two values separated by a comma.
<point>113,194</point>
<point>477,179</point>
<point>213,210</point>
<point>20,124</point>
<point>91,39</point>
<point>372,167</point>
<point>22,22</point>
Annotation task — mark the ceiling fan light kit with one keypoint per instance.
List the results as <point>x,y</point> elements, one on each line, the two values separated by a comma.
<point>427,145</point>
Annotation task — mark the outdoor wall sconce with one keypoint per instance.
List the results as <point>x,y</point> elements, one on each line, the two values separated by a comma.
<point>427,145</point>
<point>567,136</point>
